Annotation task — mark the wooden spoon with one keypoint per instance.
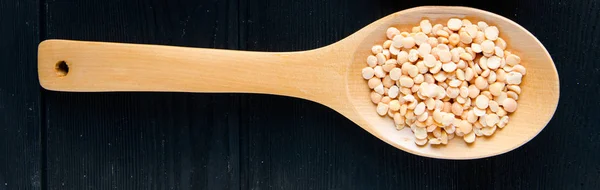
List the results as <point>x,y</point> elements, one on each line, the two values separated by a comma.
<point>330,75</point>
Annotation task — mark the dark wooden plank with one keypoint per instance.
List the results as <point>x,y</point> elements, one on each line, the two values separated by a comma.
<point>190,141</point>
<point>297,144</point>
<point>20,149</point>
<point>143,140</point>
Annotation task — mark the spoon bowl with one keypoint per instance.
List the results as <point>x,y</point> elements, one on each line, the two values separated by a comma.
<point>330,75</point>
<point>537,102</point>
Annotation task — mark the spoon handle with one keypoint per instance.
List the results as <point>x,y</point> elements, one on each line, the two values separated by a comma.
<point>80,66</point>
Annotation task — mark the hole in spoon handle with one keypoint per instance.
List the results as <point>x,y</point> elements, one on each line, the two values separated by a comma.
<point>62,68</point>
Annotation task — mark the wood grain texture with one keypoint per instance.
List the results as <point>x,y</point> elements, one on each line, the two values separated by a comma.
<point>329,75</point>
<point>368,164</point>
<point>20,150</point>
<point>146,140</point>
<point>287,143</point>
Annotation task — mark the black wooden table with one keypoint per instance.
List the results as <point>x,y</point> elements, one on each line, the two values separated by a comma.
<point>56,140</point>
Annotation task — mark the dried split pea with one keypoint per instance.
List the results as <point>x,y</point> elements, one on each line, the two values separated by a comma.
<point>368,73</point>
<point>387,44</point>
<point>420,142</point>
<point>512,60</point>
<point>394,105</point>
<point>379,72</point>
<point>421,67</point>
<point>469,138</point>
<point>372,61</point>
<point>514,88</point>
<point>510,105</point>
<point>487,46</point>
<point>374,82</point>
<point>454,24</point>
<point>481,83</point>
<point>453,39</point>
<point>512,95</point>
<point>425,26</point>
<point>514,78</point>
<point>379,89</point>
<point>491,33</point>
<point>520,69</point>
<point>494,106</point>
<point>386,99</point>
<point>496,88</point>
<point>380,58</point>
<point>493,62</point>
<point>482,102</point>
<point>391,32</point>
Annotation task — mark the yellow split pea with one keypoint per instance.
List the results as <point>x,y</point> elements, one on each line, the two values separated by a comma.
<point>442,80</point>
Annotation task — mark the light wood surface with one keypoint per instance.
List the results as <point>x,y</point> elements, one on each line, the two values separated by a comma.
<point>329,75</point>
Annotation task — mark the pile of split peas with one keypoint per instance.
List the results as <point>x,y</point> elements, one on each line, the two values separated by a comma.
<point>444,81</point>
